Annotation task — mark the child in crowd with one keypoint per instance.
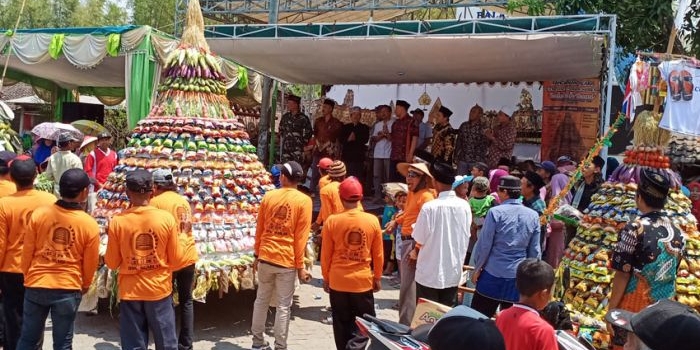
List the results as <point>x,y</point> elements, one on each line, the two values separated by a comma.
<point>400,202</point>
<point>480,201</point>
<point>387,237</point>
<point>521,325</point>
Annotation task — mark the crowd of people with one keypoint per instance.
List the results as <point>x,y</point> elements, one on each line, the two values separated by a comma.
<point>462,206</point>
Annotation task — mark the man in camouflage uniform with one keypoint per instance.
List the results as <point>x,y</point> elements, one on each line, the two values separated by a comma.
<point>295,131</point>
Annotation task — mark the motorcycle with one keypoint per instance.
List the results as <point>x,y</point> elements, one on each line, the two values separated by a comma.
<point>388,335</point>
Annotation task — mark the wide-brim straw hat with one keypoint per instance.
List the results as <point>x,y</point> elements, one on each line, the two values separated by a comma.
<point>403,168</point>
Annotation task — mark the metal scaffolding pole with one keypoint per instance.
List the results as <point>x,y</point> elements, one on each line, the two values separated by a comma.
<point>266,116</point>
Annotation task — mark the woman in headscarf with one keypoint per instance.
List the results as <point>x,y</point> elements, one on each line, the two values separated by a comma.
<point>494,177</point>
<point>556,242</point>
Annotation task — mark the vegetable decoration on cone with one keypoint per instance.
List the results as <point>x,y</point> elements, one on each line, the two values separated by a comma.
<point>190,130</point>
<point>585,274</point>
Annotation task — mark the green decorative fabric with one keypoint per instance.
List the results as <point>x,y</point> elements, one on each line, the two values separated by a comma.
<point>56,46</point>
<point>242,77</point>
<point>141,66</point>
<point>61,95</point>
<point>113,42</point>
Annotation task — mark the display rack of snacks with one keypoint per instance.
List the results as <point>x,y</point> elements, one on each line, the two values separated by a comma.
<point>585,273</point>
<point>192,131</point>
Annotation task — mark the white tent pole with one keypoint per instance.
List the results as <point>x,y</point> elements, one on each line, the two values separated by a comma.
<point>608,94</point>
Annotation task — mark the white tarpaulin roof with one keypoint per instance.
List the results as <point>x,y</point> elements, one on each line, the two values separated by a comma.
<point>426,59</point>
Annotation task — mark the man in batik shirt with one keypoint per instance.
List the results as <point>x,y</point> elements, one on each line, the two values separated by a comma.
<point>404,139</point>
<point>647,254</point>
<point>443,136</point>
<point>501,138</point>
<point>469,145</point>
<point>295,131</point>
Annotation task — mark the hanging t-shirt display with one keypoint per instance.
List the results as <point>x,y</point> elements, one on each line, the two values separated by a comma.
<point>682,110</point>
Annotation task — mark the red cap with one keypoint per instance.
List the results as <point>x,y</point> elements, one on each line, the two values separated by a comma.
<point>325,163</point>
<point>350,190</point>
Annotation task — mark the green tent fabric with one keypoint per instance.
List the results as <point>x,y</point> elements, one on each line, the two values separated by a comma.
<point>141,69</point>
<point>61,95</point>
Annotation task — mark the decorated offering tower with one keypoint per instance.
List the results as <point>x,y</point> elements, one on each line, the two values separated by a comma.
<point>585,276</point>
<point>191,131</point>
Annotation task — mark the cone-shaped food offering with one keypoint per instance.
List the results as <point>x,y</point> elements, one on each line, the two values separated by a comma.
<point>585,274</point>
<point>190,131</point>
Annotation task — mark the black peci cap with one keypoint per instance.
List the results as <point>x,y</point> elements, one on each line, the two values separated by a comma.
<point>403,104</point>
<point>509,182</point>
<point>654,184</point>
<point>535,180</point>
<point>140,181</point>
<point>446,112</point>
<point>443,173</point>
<point>72,182</point>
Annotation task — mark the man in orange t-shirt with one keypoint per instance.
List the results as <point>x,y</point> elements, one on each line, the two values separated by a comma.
<point>7,187</point>
<point>59,259</point>
<point>284,225</point>
<point>351,261</point>
<point>167,198</point>
<point>143,245</point>
<point>15,212</point>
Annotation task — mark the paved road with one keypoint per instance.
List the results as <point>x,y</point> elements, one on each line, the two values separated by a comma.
<point>224,324</point>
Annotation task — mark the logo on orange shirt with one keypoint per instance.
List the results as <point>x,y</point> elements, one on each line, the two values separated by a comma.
<point>280,221</point>
<point>144,256</point>
<point>354,247</point>
<point>57,248</point>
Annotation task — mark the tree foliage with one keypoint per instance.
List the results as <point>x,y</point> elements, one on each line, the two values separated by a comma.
<point>641,24</point>
<point>62,13</point>
<point>157,14</point>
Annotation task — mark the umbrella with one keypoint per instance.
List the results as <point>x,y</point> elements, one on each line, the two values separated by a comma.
<point>88,127</point>
<point>50,131</point>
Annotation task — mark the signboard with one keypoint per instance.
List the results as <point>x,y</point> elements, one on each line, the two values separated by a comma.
<point>570,118</point>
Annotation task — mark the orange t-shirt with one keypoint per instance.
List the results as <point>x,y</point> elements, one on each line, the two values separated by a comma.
<point>175,204</point>
<point>15,213</point>
<point>352,243</point>
<point>61,249</point>
<point>414,201</point>
<point>323,181</point>
<point>284,225</point>
<point>330,202</point>
<point>143,244</point>
<point>7,188</point>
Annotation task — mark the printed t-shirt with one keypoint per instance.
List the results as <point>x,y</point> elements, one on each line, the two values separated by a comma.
<point>524,329</point>
<point>331,202</point>
<point>683,97</point>
<point>323,181</point>
<point>61,249</point>
<point>649,248</point>
<point>7,188</point>
<point>99,164</point>
<point>387,215</point>
<point>414,201</point>
<point>143,244</point>
<point>284,225</point>
<point>15,212</point>
<point>175,204</point>
<point>352,240</point>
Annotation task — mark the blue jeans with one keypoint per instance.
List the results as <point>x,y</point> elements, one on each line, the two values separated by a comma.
<point>137,317</point>
<point>63,306</point>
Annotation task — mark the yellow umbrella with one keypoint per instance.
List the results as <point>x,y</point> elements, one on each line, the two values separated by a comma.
<point>88,127</point>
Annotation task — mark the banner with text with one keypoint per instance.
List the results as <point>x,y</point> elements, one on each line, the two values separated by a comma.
<point>570,118</point>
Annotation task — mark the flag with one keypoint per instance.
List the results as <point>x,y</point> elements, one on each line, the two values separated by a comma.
<point>683,7</point>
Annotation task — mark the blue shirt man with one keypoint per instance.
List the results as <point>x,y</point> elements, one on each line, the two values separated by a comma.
<point>511,234</point>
